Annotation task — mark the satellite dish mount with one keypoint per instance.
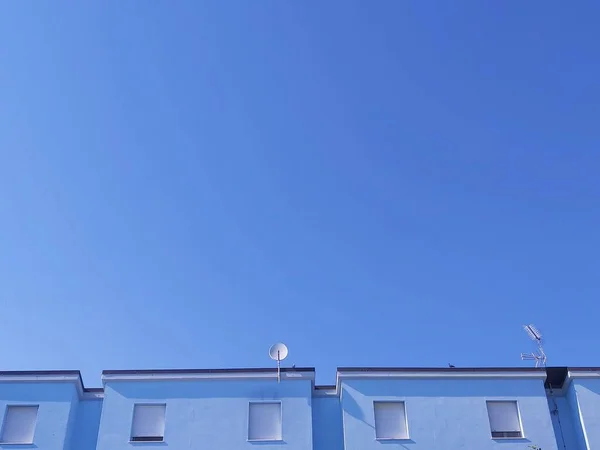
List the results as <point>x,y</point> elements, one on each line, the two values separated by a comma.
<point>536,336</point>
<point>278,352</point>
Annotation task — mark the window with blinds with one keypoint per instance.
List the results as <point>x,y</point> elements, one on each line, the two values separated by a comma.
<point>148,423</point>
<point>504,419</point>
<point>19,424</point>
<point>264,421</point>
<point>390,420</point>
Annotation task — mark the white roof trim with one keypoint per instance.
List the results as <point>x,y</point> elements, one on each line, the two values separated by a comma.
<point>38,378</point>
<point>583,374</point>
<point>285,376</point>
<point>437,375</point>
<point>441,374</point>
<point>54,378</point>
<point>325,392</point>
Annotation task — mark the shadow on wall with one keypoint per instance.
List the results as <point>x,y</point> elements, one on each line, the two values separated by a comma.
<point>353,408</point>
<point>593,386</point>
<point>255,389</point>
<point>32,392</point>
<point>358,397</point>
<point>448,388</point>
<point>585,399</point>
<point>327,424</point>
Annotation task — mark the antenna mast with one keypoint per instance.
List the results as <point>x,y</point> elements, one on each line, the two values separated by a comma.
<point>278,352</point>
<point>539,357</point>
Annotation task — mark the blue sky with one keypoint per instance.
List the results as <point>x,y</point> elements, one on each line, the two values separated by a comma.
<point>382,183</point>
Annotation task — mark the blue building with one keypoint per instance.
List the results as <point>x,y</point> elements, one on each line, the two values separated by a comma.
<point>554,408</point>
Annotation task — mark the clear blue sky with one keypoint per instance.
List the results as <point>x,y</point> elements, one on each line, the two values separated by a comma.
<point>385,182</point>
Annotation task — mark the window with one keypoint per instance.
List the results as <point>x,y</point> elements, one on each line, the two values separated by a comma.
<point>148,423</point>
<point>390,420</point>
<point>19,424</point>
<point>264,421</point>
<point>504,420</point>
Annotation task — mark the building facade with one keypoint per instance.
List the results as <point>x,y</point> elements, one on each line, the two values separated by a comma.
<point>246,409</point>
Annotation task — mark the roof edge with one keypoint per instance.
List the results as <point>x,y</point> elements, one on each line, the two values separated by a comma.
<point>583,372</point>
<point>52,376</point>
<point>440,369</point>
<point>39,372</point>
<point>271,373</point>
<point>206,371</point>
<point>437,373</point>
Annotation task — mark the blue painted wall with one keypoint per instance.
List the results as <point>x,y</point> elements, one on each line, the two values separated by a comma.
<point>446,414</point>
<point>71,422</point>
<point>328,433</point>
<point>55,412</point>
<point>443,414</point>
<point>565,423</point>
<point>206,414</point>
<point>586,392</point>
<point>575,415</point>
<point>87,423</point>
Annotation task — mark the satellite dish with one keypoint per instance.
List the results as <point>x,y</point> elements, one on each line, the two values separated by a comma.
<point>278,351</point>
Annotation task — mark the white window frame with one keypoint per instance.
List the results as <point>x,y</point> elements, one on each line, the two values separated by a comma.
<point>268,402</point>
<point>407,437</point>
<point>147,439</point>
<point>16,405</point>
<point>516,403</point>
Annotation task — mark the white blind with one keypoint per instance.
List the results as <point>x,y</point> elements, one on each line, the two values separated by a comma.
<point>390,420</point>
<point>19,424</point>
<point>148,421</point>
<point>504,416</point>
<point>264,422</point>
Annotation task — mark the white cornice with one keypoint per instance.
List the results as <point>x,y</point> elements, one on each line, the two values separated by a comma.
<point>52,378</point>
<point>584,374</point>
<point>237,376</point>
<point>39,378</point>
<point>438,375</point>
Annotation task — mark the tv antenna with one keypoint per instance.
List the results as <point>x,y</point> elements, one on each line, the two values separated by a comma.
<point>278,352</point>
<point>536,336</point>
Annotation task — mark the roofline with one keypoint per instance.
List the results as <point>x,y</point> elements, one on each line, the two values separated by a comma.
<point>53,376</point>
<point>583,372</point>
<point>39,372</point>
<point>47,374</point>
<point>291,373</point>
<point>271,373</point>
<point>440,369</point>
<point>206,371</point>
<point>437,373</point>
